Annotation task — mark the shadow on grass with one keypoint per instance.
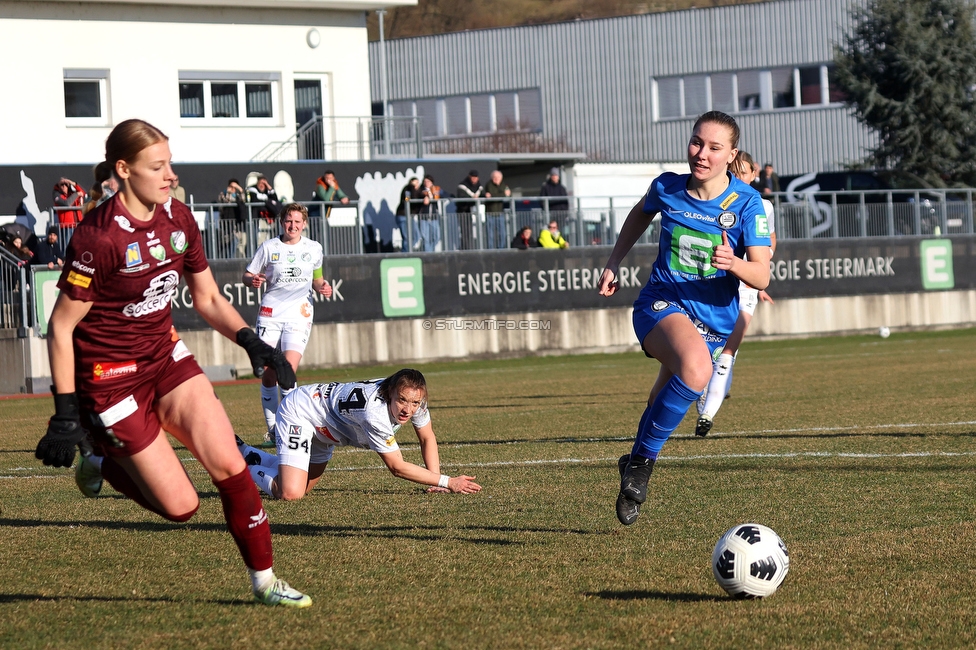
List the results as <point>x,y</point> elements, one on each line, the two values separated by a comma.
<point>418,533</point>
<point>25,598</point>
<point>643,594</point>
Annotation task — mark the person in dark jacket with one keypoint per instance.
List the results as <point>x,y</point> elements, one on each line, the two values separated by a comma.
<point>553,188</point>
<point>48,250</point>
<point>468,190</point>
<point>524,240</point>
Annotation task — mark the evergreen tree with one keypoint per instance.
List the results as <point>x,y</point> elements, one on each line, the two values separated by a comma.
<point>909,71</point>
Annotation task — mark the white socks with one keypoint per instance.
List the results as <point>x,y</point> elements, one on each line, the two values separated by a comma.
<point>718,386</point>
<point>261,580</point>
<point>269,403</point>
<point>263,477</point>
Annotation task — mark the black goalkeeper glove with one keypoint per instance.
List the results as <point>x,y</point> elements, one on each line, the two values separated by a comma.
<point>263,355</point>
<point>64,431</point>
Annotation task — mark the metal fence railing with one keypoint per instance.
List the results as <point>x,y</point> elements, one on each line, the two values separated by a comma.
<point>14,293</point>
<point>456,224</point>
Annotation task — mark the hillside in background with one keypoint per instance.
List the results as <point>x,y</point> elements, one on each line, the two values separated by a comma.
<point>444,16</point>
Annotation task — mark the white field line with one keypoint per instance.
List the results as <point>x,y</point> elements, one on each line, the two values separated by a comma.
<point>575,461</point>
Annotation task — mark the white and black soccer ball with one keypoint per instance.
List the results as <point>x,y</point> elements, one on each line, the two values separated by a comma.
<point>750,561</point>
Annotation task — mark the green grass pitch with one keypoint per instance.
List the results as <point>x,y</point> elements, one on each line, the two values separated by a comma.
<point>858,451</point>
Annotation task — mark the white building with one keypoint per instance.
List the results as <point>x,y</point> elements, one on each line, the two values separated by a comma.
<point>222,78</point>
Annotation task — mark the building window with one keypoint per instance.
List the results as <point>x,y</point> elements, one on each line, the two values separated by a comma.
<point>745,91</point>
<point>86,97</point>
<point>482,114</point>
<point>229,98</point>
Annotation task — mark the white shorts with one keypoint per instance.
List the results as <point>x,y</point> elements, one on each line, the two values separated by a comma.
<point>748,298</point>
<point>297,444</point>
<point>285,334</point>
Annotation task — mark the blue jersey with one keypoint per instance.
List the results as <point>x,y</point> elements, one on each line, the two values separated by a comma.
<point>690,231</point>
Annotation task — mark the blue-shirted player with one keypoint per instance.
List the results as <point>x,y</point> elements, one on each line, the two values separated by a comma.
<point>711,222</point>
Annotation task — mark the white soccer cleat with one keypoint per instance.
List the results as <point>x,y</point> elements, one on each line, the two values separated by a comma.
<point>280,593</point>
<point>88,477</point>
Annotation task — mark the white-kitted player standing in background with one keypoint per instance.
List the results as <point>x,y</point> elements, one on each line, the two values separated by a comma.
<point>749,298</point>
<point>314,419</point>
<point>291,264</point>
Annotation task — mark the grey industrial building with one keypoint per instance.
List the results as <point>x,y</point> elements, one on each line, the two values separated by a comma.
<point>627,90</point>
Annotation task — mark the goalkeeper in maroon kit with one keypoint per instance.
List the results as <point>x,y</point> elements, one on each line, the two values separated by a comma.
<point>122,376</point>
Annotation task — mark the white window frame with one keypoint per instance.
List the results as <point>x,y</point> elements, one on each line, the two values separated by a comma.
<point>101,77</point>
<point>241,79</point>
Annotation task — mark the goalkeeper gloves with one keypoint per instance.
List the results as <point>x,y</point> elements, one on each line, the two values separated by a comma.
<point>64,431</point>
<point>263,355</point>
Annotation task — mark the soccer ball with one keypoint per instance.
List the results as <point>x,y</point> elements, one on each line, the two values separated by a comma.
<point>750,561</point>
<point>884,332</point>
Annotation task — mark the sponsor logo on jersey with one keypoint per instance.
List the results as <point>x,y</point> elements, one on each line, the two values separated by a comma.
<point>695,215</point>
<point>275,257</point>
<point>728,200</point>
<point>83,268</point>
<point>762,225</point>
<point>87,257</point>
<point>306,257</point>
<point>726,220</point>
<point>390,441</point>
<point>158,252</point>
<point>306,310</point>
<point>178,241</point>
<point>124,223</point>
<point>328,434</point>
<point>157,296</point>
<point>112,370</point>
<point>291,258</point>
<point>151,234</point>
<point>133,256</point>
<point>180,351</point>
<point>79,280</point>
<point>266,311</point>
<point>295,430</point>
<point>291,272</point>
<point>660,305</point>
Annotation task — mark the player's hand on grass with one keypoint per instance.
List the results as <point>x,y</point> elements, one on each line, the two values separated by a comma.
<point>463,485</point>
<point>263,355</point>
<point>608,282</point>
<point>64,432</point>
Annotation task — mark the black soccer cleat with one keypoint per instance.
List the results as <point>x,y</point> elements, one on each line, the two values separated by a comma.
<point>634,474</point>
<point>703,427</point>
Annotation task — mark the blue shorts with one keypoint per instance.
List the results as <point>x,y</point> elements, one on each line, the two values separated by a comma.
<point>651,308</point>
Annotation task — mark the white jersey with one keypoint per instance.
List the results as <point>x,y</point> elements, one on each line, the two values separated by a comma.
<point>350,414</point>
<point>289,269</point>
<point>770,226</point>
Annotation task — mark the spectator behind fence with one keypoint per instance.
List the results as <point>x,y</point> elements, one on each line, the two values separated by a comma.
<point>176,191</point>
<point>553,188</point>
<point>262,192</point>
<point>15,246</point>
<point>69,194</point>
<point>430,226</point>
<point>104,187</point>
<point>495,210</point>
<point>768,181</point>
<point>48,250</point>
<point>551,237</point>
<point>233,219</point>
<point>467,190</point>
<point>327,190</point>
<point>410,192</point>
<point>524,240</point>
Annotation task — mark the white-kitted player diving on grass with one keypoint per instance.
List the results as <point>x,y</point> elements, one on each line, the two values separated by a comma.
<point>313,420</point>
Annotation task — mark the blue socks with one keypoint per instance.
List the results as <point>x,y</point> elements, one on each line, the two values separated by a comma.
<point>663,417</point>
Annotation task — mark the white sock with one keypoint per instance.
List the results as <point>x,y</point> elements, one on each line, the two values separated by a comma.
<point>728,383</point>
<point>269,403</point>
<point>285,391</point>
<point>718,386</point>
<point>261,580</point>
<point>267,460</point>
<point>263,477</point>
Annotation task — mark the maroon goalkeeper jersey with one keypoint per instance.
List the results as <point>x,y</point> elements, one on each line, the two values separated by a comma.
<point>129,270</point>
